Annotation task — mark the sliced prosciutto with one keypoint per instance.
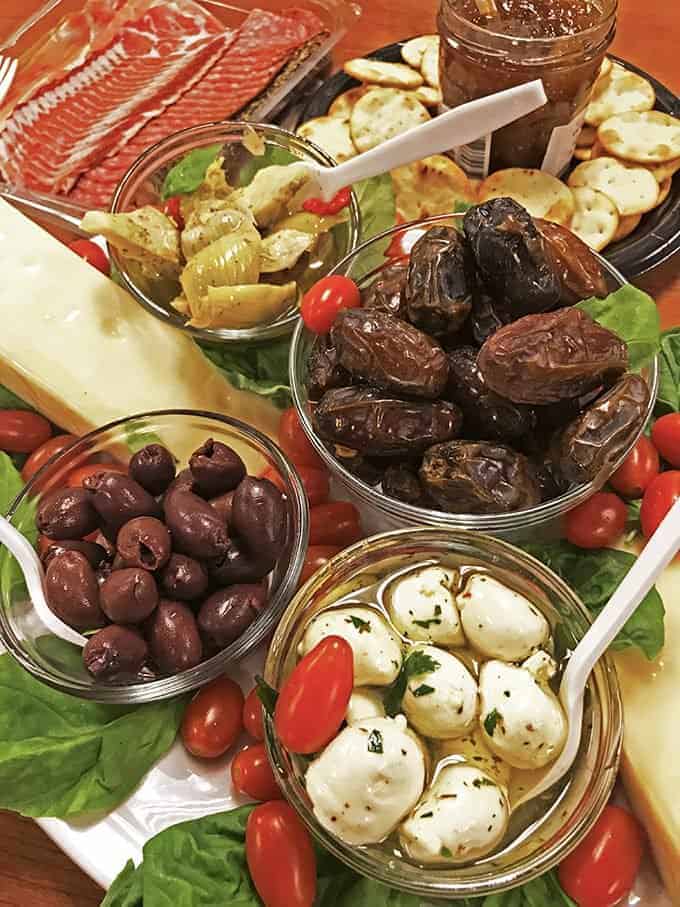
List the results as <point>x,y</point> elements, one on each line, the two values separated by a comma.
<point>264,43</point>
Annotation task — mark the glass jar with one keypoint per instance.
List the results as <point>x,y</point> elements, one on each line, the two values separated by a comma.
<point>562,42</point>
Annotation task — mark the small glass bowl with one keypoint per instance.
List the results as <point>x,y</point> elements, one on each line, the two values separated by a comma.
<point>582,799</point>
<point>142,185</point>
<point>381,512</point>
<point>58,663</point>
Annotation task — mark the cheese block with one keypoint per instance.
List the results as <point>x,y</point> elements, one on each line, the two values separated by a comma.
<point>83,352</point>
<point>651,749</point>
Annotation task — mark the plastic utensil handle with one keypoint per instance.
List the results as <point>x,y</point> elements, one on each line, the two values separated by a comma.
<point>47,209</point>
<point>459,126</point>
<point>32,569</point>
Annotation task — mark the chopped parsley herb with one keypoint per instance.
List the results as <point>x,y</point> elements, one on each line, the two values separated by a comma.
<point>418,662</point>
<point>437,610</point>
<point>482,782</point>
<point>445,852</point>
<point>363,626</point>
<point>266,694</point>
<point>426,624</point>
<point>423,690</point>
<point>426,815</point>
<point>375,742</point>
<point>491,721</point>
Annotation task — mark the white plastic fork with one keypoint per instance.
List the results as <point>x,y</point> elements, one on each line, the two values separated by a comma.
<point>8,70</point>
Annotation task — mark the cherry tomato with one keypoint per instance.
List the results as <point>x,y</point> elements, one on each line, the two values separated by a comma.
<point>42,454</point>
<point>213,719</point>
<point>280,856</point>
<point>316,557</point>
<point>602,869</point>
<point>314,481</point>
<point>294,442</point>
<point>598,522</point>
<point>21,431</point>
<point>76,478</point>
<point>313,700</point>
<point>637,470</point>
<point>92,254</point>
<point>318,206</point>
<point>173,208</point>
<point>660,495</point>
<point>252,715</point>
<point>335,523</point>
<point>252,775</point>
<point>403,242</point>
<point>666,438</point>
<point>325,299</point>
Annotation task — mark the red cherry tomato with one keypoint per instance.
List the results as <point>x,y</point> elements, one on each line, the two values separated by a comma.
<point>280,856</point>
<point>637,470</point>
<point>602,869</point>
<point>598,522</point>
<point>666,438</point>
<point>21,431</point>
<point>295,443</point>
<point>314,481</point>
<point>252,715</point>
<point>42,454</point>
<point>403,242</point>
<point>325,299</point>
<point>252,774</point>
<point>335,523</point>
<point>313,700</point>
<point>316,557</point>
<point>213,719</point>
<point>76,478</point>
<point>318,206</point>
<point>173,208</point>
<point>92,254</point>
<point>660,495</point>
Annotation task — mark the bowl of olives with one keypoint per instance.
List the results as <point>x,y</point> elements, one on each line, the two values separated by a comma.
<point>163,547</point>
<point>472,388</point>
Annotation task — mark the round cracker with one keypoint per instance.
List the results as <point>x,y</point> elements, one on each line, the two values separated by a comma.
<point>647,137</point>
<point>586,137</point>
<point>662,172</point>
<point>626,226</point>
<point>542,194</point>
<point>343,104</point>
<point>429,96</point>
<point>616,95</point>
<point>430,187</point>
<point>596,218</point>
<point>664,191</point>
<point>430,66</point>
<point>632,189</point>
<point>583,154</point>
<point>378,72</point>
<point>383,113</point>
<point>332,135</point>
<point>412,52</point>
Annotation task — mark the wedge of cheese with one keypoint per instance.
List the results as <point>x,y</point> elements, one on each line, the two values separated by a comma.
<point>81,350</point>
<point>651,749</point>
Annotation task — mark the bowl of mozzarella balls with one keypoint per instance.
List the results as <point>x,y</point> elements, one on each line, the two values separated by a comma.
<point>458,644</point>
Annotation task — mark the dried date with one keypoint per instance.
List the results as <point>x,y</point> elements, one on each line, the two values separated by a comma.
<point>323,369</point>
<point>580,273</point>
<point>386,292</point>
<point>440,281</point>
<point>401,483</point>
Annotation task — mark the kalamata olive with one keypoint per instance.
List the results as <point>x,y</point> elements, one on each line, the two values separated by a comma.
<point>153,467</point>
<point>129,595</point>
<point>216,468</point>
<point>115,653</point>
<point>259,518</point>
<point>238,566</point>
<point>94,553</point>
<point>227,613</point>
<point>67,514</point>
<point>72,591</point>
<point>144,542</point>
<point>173,636</point>
<point>222,506</point>
<point>183,578</point>
<point>183,481</point>
<point>106,544</point>
<point>118,498</point>
<point>196,528</point>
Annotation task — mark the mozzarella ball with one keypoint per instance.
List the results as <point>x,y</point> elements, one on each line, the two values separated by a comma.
<point>499,622</point>
<point>463,816</point>
<point>422,606</point>
<point>471,750</point>
<point>520,717</point>
<point>364,703</point>
<point>367,779</point>
<point>441,699</point>
<point>377,651</point>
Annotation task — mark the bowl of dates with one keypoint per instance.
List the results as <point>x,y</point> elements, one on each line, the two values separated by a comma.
<point>164,547</point>
<point>472,387</point>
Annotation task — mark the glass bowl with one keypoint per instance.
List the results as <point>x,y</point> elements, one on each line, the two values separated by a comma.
<point>58,663</point>
<point>142,184</point>
<point>579,802</point>
<point>382,513</point>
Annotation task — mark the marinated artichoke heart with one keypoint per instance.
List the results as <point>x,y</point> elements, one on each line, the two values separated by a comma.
<point>209,222</point>
<point>214,190</point>
<point>145,235</point>
<point>231,260</point>
<point>270,195</point>
<point>242,306</point>
<point>282,250</point>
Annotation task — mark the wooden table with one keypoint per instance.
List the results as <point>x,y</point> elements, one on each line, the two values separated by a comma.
<point>32,870</point>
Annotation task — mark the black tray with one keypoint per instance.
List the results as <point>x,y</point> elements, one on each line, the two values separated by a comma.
<point>655,239</point>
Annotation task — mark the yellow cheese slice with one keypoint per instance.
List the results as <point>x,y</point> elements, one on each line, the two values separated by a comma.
<point>82,352</point>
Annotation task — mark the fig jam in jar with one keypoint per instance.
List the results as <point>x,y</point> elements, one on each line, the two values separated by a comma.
<point>490,45</point>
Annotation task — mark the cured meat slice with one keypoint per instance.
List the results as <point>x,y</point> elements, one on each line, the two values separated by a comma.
<point>261,48</point>
<point>51,139</point>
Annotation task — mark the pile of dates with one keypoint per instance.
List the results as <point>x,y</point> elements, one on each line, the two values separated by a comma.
<point>178,566</point>
<point>467,381</point>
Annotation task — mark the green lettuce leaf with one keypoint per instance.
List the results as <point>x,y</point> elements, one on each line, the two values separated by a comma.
<point>126,890</point>
<point>11,578</point>
<point>260,368</point>
<point>668,400</point>
<point>594,575</point>
<point>187,174</point>
<point>632,315</point>
<point>272,155</point>
<point>378,213</point>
